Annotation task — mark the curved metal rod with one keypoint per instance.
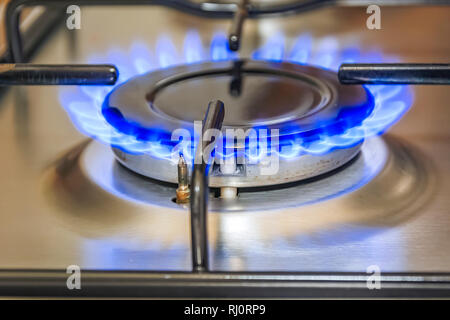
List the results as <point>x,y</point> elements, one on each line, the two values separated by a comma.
<point>205,9</point>
<point>234,36</point>
<point>200,190</point>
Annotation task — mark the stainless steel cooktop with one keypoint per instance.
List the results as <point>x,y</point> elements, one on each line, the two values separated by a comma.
<point>64,200</point>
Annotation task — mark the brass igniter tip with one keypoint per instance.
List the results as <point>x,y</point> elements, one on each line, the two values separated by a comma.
<point>183,192</point>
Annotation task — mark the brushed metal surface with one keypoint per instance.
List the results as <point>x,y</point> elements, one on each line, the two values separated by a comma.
<point>399,221</point>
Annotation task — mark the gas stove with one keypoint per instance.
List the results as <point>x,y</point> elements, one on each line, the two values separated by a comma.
<point>291,155</point>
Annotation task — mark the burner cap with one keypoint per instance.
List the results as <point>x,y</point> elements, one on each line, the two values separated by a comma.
<point>299,101</point>
<point>252,99</point>
<point>295,99</point>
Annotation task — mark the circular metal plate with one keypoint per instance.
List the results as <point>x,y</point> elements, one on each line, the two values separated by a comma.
<point>291,98</point>
<point>256,99</point>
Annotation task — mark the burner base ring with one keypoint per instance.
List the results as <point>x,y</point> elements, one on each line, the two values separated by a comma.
<point>248,175</point>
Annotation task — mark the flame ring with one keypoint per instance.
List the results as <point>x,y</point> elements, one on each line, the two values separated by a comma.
<point>333,110</point>
<point>84,104</point>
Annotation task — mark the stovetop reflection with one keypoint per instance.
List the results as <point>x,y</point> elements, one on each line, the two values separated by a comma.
<point>130,222</point>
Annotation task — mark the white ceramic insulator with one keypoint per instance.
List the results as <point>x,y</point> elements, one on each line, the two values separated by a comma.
<point>228,193</point>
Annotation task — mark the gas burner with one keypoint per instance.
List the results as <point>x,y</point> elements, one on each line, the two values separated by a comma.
<point>136,139</point>
<point>99,167</point>
<point>294,105</point>
<point>336,207</point>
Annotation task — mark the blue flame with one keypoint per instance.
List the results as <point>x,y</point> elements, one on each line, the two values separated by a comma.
<point>273,50</point>
<point>193,48</point>
<point>302,49</point>
<point>84,103</point>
